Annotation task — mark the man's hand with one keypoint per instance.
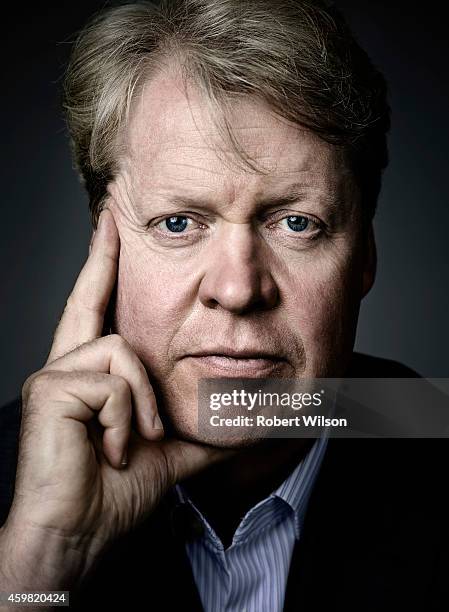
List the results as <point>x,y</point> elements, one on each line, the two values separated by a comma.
<point>73,493</point>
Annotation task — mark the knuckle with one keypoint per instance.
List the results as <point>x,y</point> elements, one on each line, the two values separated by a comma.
<point>120,387</point>
<point>118,342</point>
<point>37,384</point>
<point>34,382</point>
<point>27,384</point>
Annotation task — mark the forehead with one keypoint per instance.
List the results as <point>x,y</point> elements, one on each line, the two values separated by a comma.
<point>171,136</point>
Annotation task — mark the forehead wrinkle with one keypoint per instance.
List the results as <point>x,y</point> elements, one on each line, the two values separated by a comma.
<point>155,142</point>
<point>295,193</point>
<point>303,160</point>
<point>194,167</point>
<point>258,140</point>
<point>313,180</point>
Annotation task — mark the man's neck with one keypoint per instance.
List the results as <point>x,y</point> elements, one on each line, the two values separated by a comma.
<point>225,492</point>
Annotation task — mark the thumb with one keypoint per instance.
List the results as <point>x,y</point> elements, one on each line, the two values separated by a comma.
<point>171,460</point>
<point>184,459</point>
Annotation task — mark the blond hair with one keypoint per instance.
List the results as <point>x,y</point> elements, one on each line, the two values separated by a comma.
<point>297,55</point>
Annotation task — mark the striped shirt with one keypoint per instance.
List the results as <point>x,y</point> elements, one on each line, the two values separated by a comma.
<point>251,575</point>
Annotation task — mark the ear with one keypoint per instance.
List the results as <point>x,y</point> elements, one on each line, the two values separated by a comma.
<point>370,261</point>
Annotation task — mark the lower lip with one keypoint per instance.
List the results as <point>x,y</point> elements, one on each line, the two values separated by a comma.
<point>235,368</point>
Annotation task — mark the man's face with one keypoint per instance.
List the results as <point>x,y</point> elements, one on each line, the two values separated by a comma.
<point>218,262</point>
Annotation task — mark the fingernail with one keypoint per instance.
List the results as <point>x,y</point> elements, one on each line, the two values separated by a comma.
<point>157,423</point>
<point>124,460</point>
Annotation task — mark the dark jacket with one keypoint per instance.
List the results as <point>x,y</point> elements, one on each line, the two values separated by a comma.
<point>375,535</point>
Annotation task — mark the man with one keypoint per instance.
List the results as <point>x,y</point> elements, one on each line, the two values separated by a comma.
<point>235,150</point>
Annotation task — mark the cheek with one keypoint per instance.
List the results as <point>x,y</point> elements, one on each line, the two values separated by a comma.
<point>325,303</point>
<point>150,304</point>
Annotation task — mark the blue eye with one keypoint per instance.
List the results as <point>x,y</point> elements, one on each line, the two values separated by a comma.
<point>176,224</point>
<point>297,223</point>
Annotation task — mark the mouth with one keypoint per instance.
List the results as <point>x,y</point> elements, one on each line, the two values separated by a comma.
<point>237,364</point>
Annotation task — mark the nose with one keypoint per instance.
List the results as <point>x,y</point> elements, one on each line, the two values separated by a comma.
<point>237,276</point>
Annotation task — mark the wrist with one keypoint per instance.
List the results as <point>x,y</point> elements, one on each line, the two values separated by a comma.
<point>34,559</point>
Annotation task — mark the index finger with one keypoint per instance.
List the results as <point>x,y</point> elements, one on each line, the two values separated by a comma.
<point>83,316</point>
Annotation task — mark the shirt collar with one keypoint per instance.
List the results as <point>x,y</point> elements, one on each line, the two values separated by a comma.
<point>294,491</point>
<point>297,487</point>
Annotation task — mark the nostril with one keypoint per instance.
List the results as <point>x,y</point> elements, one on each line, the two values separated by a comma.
<point>236,288</point>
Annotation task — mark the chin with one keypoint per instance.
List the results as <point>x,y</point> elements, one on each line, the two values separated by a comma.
<point>185,427</point>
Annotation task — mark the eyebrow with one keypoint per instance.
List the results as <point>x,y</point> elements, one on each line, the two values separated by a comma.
<point>333,201</point>
<point>296,192</point>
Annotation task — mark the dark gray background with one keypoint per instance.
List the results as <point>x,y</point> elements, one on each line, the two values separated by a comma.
<point>45,222</point>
